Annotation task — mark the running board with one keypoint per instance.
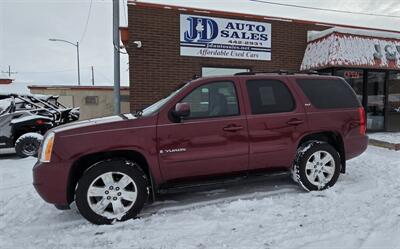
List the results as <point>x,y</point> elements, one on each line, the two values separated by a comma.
<point>218,183</point>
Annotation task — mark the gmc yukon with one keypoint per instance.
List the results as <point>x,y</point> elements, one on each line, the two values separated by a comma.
<point>248,123</point>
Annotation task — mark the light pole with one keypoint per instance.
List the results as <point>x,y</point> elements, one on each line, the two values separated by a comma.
<point>117,92</point>
<point>77,55</point>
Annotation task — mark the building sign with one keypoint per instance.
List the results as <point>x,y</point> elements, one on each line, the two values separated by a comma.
<point>353,74</point>
<point>390,51</point>
<point>224,38</point>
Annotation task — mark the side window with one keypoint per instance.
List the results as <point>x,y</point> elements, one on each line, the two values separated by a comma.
<point>329,93</point>
<point>213,100</point>
<point>269,96</point>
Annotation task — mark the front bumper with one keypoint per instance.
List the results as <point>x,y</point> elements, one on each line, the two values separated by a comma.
<point>51,181</point>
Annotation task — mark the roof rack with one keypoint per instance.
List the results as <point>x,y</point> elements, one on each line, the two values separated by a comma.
<point>195,76</point>
<point>264,72</point>
<point>309,72</point>
<point>287,72</point>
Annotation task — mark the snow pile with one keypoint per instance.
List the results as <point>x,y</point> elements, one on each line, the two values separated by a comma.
<point>338,49</point>
<point>361,212</point>
<point>390,137</point>
<point>314,35</point>
<point>318,53</point>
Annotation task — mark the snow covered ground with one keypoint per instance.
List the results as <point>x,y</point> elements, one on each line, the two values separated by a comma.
<point>362,211</point>
<point>391,137</point>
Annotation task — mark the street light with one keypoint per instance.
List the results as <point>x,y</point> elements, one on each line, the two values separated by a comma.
<point>77,55</point>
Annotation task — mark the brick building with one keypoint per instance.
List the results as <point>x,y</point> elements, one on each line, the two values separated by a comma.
<point>178,43</point>
<point>5,80</point>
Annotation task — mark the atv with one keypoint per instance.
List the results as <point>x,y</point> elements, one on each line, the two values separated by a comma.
<point>24,119</point>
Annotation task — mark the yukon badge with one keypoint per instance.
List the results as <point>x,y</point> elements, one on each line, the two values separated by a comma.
<point>172,150</point>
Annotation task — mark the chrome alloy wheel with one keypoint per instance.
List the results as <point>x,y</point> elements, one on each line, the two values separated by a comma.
<point>320,168</point>
<point>112,194</point>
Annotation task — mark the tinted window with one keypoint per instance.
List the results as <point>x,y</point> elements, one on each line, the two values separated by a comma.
<point>355,77</point>
<point>269,96</point>
<point>213,100</point>
<point>329,93</point>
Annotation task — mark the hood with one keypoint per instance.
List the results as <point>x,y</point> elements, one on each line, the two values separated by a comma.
<point>94,122</point>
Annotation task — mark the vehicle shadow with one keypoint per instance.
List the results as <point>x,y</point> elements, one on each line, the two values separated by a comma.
<point>193,199</point>
<point>189,200</point>
<point>243,190</point>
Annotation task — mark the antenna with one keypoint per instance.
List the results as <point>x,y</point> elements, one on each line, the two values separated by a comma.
<point>9,72</point>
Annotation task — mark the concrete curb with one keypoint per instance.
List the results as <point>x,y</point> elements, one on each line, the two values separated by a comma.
<point>384,144</point>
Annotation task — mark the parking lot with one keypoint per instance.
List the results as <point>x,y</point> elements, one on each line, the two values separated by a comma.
<point>361,211</point>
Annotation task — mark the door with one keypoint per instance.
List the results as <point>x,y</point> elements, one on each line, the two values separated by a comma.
<point>393,102</point>
<point>212,140</point>
<point>275,123</point>
<point>375,101</point>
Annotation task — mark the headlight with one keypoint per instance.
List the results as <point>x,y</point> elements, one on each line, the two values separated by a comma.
<point>47,148</point>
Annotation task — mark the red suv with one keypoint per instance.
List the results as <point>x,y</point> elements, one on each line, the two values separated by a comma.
<point>208,129</point>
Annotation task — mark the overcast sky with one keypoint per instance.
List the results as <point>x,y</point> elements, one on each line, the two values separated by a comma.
<point>26,26</point>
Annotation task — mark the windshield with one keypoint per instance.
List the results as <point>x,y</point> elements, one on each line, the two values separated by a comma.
<point>4,104</point>
<point>157,106</point>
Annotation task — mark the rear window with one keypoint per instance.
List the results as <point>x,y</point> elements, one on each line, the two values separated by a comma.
<point>329,93</point>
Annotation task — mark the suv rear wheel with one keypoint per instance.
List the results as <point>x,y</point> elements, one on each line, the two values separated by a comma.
<point>317,166</point>
<point>111,190</point>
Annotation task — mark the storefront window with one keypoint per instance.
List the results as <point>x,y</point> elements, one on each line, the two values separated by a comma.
<point>355,78</point>
<point>376,101</point>
<point>394,92</point>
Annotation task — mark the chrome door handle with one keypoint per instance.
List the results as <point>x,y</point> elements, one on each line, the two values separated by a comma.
<point>232,128</point>
<point>295,122</point>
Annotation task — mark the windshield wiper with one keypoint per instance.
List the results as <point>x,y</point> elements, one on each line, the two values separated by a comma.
<point>138,113</point>
<point>123,116</point>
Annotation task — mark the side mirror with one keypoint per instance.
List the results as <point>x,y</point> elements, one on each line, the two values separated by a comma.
<point>182,110</point>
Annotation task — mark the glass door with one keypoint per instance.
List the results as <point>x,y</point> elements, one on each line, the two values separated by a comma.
<point>393,107</point>
<point>375,108</point>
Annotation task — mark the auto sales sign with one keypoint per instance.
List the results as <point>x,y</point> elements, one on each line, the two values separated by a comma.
<point>224,38</point>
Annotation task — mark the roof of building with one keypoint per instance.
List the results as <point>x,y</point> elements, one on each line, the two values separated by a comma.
<point>71,87</point>
<point>314,35</point>
<point>5,76</point>
<point>339,47</point>
<point>202,11</point>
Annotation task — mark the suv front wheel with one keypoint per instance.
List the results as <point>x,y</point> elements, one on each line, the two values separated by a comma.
<point>317,166</point>
<point>111,190</point>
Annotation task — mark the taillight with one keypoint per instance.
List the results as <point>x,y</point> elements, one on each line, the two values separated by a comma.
<point>362,120</point>
<point>39,122</point>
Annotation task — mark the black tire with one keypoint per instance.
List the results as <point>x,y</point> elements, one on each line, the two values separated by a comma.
<point>117,166</point>
<point>28,145</point>
<point>304,154</point>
